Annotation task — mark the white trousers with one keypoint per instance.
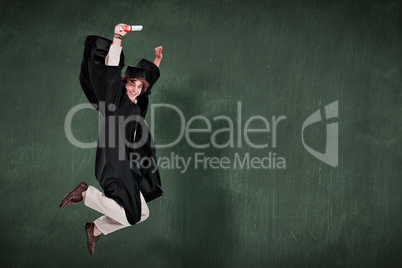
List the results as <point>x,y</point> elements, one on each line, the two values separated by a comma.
<point>114,217</point>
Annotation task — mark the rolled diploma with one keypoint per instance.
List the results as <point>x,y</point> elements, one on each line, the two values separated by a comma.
<point>132,28</point>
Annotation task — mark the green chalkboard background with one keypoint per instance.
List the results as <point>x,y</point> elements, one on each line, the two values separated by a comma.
<point>268,58</point>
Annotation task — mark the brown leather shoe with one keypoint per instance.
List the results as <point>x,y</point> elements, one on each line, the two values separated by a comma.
<point>75,195</point>
<point>91,239</point>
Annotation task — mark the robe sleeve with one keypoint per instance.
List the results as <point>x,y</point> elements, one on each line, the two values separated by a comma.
<point>151,75</point>
<point>100,83</point>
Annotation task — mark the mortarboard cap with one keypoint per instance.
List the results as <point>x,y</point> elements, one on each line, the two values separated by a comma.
<point>135,72</point>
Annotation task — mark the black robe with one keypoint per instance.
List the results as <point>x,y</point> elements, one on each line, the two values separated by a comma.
<point>119,119</point>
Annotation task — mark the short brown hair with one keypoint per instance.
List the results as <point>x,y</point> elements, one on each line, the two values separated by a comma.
<point>125,79</point>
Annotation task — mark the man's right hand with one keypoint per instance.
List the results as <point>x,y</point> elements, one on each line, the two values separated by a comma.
<point>119,34</point>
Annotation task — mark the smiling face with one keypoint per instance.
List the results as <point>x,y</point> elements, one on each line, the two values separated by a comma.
<point>134,88</point>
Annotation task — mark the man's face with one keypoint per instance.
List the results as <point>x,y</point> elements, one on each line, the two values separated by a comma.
<point>133,89</point>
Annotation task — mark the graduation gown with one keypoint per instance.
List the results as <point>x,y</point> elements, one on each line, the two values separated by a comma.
<point>119,119</point>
